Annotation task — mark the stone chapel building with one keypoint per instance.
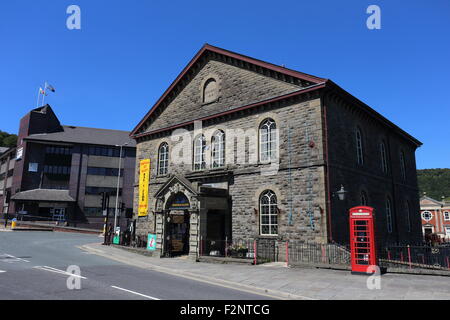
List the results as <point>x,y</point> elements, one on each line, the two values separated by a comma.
<point>243,149</point>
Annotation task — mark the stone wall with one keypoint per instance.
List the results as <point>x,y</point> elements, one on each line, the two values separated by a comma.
<point>301,150</point>
<point>342,122</point>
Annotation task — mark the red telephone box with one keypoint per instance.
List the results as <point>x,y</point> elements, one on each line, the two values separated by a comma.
<point>362,239</point>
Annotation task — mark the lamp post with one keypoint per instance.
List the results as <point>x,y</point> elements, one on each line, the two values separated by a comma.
<point>341,193</point>
<point>118,184</point>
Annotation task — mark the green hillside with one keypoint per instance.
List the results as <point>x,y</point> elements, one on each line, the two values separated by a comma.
<point>435,182</point>
<point>7,140</point>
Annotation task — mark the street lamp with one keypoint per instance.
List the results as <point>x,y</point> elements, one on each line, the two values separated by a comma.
<point>341,193</point>
<point>118,184</point>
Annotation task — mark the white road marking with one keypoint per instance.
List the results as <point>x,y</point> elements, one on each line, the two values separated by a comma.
<point>1,271</point>
<point>50,269</point>
<point>137,293</point>
<point>12,258</point>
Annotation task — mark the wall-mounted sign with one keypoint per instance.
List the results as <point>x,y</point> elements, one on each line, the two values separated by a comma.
<point>151,242</point>
<point>19,153</point>
<point>144,178</point>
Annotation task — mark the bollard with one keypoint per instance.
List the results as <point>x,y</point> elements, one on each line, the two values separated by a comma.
<point>287,253</point>
<point>409,256</point>
<point>254,252</point>
<point>13,223</point>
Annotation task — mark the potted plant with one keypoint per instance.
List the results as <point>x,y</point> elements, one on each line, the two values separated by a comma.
<point>237,251</point>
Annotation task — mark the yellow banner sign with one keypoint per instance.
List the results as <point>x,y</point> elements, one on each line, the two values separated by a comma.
<point>144,178</point>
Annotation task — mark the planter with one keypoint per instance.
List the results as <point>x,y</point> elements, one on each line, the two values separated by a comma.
<point>241,253</point>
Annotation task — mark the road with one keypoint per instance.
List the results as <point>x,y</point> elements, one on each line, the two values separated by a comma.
<point>33,265</point>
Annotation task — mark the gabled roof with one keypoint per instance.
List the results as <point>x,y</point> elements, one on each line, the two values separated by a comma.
<point>181,180</point>
<point>317,83</point>
<point>424,199</point>
<point>209,48</point>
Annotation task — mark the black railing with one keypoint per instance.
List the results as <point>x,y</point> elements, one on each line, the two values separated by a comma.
<point>312,253</point>
<point>413,257</point>
<point>254,250</point>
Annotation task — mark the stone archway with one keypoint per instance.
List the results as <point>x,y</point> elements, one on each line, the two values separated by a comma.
<point>176,218</point>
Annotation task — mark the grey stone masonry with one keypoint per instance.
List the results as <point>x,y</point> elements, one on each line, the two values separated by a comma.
<point>316,153</point>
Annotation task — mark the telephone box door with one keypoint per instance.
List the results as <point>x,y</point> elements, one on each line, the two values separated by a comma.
<point>362,239</point>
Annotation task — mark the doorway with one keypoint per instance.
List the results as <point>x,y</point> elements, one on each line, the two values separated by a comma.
<point>177,233</point>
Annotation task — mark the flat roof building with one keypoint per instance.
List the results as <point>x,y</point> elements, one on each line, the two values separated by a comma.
<point>59,171</point>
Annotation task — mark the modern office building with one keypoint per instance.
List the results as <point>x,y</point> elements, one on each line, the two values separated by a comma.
<point>58,171</point>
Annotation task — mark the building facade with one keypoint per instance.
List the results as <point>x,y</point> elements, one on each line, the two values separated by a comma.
<point>435,216</point>
<point>58,172</point>
<point>242,148</point>
<point>7,160</point>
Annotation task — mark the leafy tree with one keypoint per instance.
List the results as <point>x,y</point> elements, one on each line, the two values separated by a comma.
<point>435,182</point>
<point>7,140</point>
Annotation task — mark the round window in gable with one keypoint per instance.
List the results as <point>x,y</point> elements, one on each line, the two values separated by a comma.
<point>210,91</point>
<point>427,215</point>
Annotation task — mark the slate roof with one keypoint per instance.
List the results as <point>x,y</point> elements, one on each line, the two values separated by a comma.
<point>84,135</point>
<point>44,195</point>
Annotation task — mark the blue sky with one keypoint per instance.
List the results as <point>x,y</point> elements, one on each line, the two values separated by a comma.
<point>109,73</point>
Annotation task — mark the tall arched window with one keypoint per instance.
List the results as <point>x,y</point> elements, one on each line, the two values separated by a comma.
<point>218,149</point>
<point>268,213</point>
<point>359,147</point>
<point>268,140</point>
<point>199,152</point>
<point>389,215</point>
<point>163,159</point>
<point>408,216</point>
<point>384,163</point>
<point>402,166</point>
<point>364,198</point>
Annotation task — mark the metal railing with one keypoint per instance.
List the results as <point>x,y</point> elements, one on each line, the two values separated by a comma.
<point>318,254</point>
<point>254,250</point>
<point>414,257</point>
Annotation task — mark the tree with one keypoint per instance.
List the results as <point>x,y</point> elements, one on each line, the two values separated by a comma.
<point>435,182</point>
<point>7,140</point>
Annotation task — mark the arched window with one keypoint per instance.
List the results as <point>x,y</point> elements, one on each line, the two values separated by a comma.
<point>359,147</point>
<point>402,166</point>
<point>218,149</point>
<point>199,152</point>
<point>163,159</point>
<point>384,163</point>
<point>268,213</point>
<point>268,140</point>
<point>408,216</point>
<point>364,198</point>
<point>389,215</point>
<point>210,91</point>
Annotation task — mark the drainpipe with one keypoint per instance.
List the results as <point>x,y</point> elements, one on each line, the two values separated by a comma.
<point>327,173</point>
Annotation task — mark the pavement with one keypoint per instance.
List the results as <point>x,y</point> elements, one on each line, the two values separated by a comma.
<point>278,281</point>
